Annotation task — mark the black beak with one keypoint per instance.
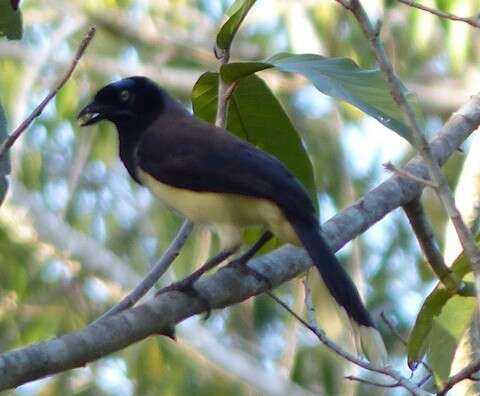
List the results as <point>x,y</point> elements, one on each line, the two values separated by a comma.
<point>91,114</point>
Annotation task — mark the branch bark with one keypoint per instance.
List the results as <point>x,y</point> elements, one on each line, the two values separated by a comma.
<point>96,259</point>
<point>424,232</point>
<point>229,286</point>
<point>420,141</point>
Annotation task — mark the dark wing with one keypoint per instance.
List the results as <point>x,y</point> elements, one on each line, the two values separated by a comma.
<point>197,156</point>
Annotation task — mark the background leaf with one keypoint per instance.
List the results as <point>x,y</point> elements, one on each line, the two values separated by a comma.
<point>340,78</point>
<point>448,329</point>
<point>10,21</point>
<point>421,336</point>
<point>5,161</point>
<point>229,29</point>
<point>270,129</point>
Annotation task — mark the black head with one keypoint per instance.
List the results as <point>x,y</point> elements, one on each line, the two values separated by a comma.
<point>131,101</point>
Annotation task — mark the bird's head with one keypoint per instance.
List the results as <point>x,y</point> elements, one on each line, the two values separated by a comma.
<point>131,101</point>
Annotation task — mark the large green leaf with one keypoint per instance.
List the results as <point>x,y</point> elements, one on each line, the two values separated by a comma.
<point>340,78</point>
<point>267,126</point>
<point>431,316</point>
<point>448,328</point>
<point>5,161</point>
<point>10,21</point>
<point>230,27</point>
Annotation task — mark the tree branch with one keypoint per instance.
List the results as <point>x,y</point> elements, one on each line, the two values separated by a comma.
<point>10,140</point>
<point>472,21</point>
<point>465,373</point>
<point>95,258</point>
<point>311,325</point>
<point>424,233</point>
<point>238,362</point>
<point>392,168</point>
<point>421,144</point>
<point>228,286</point>
<point>154,274</point>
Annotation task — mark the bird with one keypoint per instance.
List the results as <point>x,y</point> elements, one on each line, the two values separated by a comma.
<point>213,178</point>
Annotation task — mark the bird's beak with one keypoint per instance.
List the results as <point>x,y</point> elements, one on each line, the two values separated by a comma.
<point>91,114</point>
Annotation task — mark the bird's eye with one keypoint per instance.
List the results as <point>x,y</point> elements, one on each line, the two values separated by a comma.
<point>124,95</point>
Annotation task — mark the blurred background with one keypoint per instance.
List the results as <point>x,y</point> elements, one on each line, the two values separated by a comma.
<point>76,233</point>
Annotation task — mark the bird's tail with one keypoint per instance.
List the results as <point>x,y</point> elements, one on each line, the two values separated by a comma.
<point>341,287</point>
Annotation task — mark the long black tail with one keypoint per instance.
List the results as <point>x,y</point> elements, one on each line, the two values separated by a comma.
<point>340,286</point>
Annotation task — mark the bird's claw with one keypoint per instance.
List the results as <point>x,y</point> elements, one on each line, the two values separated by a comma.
<point>187,286</point>
<point>243,266</point>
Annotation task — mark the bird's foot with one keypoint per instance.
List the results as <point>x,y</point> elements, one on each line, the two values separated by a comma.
<point>242,264</point>
<point>187,286</point>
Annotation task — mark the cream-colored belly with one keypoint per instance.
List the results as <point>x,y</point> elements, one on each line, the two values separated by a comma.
<point>224,211</point>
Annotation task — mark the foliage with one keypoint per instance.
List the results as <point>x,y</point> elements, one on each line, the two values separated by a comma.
<point>337,77</point>
<point>11,28</point>
<point>10,20</point>
<point>282,103</point>
<point>271,130</point>
<point>442,321</point>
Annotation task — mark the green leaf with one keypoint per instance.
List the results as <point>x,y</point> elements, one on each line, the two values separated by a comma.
<point>229,29</point>
<point>234,7</point>
<point>10,21</point>
<point>5,161</point>
<point>420,337</point>
<point>234,71</point>
<point>340,78</point>
<point>267,127</point>
<point>448,329</point>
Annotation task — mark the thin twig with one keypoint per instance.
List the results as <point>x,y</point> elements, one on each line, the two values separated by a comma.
<point>424,233</point>
<point>421,144</point>
<point>225,90</point>
<point>154,274</point>
<point>392,328</point>
<point>373,383</point>
<point>396,333</point>
<point>424,380</point>
<point>400,172</point>
<point>473,21</point>
<point>388,371</point>
<point>10,140</point>
<point>465,373</point>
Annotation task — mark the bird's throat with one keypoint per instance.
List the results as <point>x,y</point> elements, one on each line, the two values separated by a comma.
<point>128,145</point>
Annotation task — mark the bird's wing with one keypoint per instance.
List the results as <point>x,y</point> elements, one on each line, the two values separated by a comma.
<point>198,156</point>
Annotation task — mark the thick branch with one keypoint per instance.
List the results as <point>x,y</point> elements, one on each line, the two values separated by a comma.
<point>94,257</point>
<point>228,286</point>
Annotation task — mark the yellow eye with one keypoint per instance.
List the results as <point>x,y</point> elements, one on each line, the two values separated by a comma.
<point>124,95</point>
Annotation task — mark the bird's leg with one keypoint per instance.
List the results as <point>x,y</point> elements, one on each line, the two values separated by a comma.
<point>244,258</point>
<point>186,284</point>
